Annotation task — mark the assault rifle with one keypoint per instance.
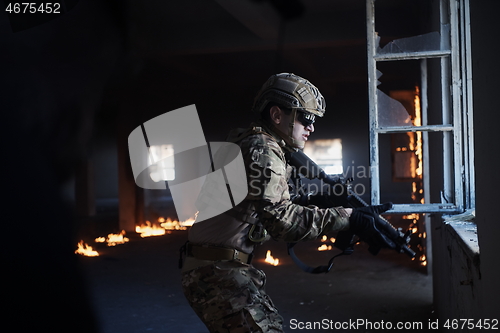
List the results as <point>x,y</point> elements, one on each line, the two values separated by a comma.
<point>345,240</point>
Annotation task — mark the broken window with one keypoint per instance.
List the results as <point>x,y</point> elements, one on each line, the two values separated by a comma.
<point>420,99</point>
<point>421,135</point>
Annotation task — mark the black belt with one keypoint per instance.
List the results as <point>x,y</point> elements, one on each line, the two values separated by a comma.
<point>214,253</point>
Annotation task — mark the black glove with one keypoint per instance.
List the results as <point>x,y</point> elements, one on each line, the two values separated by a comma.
<point>373,229</point>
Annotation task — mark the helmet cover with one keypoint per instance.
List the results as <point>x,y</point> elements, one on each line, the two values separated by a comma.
<point>292,92</point>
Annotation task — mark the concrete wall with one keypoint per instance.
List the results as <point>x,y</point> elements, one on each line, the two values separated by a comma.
<point>486,71</point>
<point>466,285</point>
<point>457,280</point>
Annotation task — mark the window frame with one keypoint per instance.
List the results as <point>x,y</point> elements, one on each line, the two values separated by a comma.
<point>457,126</point>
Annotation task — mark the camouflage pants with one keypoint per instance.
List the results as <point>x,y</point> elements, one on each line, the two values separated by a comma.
<point>229,296</point>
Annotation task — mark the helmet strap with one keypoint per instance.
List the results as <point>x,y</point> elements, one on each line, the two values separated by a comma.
<point>288,137</point>
<point>291,126</point>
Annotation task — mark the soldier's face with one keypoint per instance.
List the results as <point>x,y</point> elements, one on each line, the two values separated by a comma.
<point>301,133</point>
<point>282,121</point>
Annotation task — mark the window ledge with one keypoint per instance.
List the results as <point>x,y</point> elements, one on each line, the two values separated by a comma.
<point>464,229</point>
<point>466,232</point>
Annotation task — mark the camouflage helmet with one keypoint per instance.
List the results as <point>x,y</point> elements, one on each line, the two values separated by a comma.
<point>290,91</point>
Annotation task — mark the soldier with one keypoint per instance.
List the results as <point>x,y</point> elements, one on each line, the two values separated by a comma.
<point>218,280</point>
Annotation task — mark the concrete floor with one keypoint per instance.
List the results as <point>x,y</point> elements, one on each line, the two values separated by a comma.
<point>135,287</point>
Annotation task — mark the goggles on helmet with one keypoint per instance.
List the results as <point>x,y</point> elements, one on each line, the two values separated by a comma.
<point>305,118</point>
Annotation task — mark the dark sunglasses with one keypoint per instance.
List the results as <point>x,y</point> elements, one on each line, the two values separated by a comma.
<point>305,118</point>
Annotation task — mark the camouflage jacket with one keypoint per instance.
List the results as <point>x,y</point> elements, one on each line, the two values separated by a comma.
<point>268,204</point>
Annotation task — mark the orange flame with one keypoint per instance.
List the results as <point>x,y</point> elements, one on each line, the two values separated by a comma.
<point>415,145</point>
<point>324,247</point>
<point>271,260</point>
<point>86,250</point>
<point>149,230</point>
<point>324,239</point>
<point>418,122</point>
<point>113,239</point>
<point>169,224</point>
<point>165,224</point>
<point>189,222</point>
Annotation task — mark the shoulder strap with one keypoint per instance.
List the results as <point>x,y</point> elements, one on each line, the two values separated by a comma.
<point>309,269</point>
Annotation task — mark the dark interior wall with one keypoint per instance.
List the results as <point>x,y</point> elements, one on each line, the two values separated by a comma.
<point>104,162</point>
<point>52,78</point>
<point>485,71</point>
